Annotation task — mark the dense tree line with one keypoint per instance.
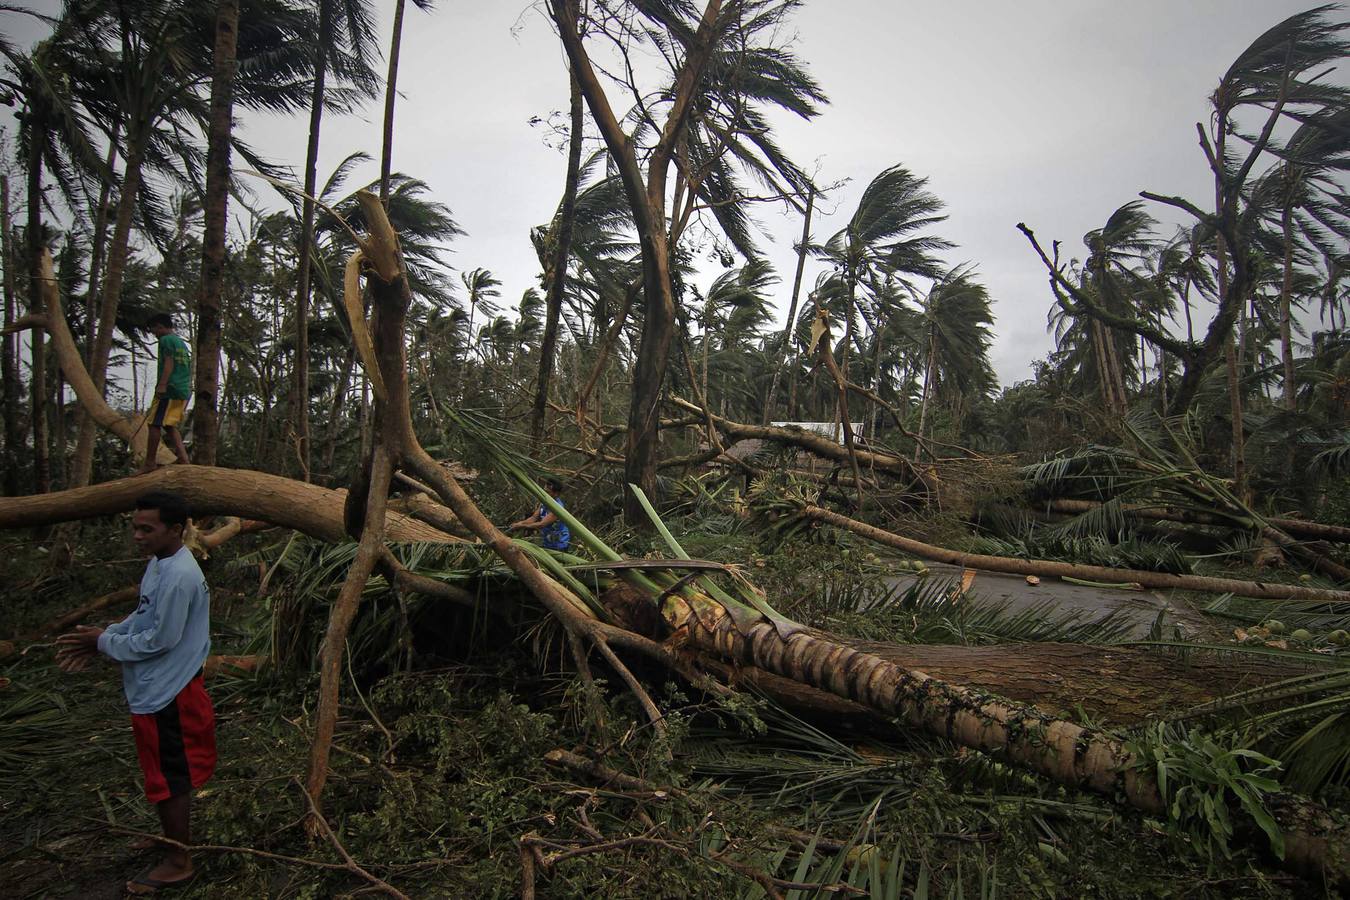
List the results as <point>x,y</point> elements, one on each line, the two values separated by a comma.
<point>121,164</point>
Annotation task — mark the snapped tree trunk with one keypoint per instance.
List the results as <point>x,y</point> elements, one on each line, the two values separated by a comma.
<point>1083,758</point>
<point>1299,528</point>
<point>213,491</point>
<point>206,415</point>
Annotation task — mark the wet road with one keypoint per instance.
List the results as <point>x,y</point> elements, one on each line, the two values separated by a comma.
<point>1140,608</point>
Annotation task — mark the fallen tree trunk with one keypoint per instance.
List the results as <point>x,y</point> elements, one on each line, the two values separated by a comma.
<point>1126,685</point>
<point>1300,528</point>
<point>1317,843</point>
<point>210,490</point>
<point>809,441</point>
<point>1122,685</point>
<point>1155,580</point>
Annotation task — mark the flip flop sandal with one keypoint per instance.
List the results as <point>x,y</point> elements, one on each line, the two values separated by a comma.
<point>148,885</point>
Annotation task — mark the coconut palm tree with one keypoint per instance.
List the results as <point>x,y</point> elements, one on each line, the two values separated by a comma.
<point>483,289</point>
<point>1303,192</point>
<point>1270,74</point>
<point>733,313</point>
<point>206,385</point>
<point>957,320</point>
<point>728,50</point>
<point>345,47</point>
<point>140,75</point>
<point>1110,272</point>
<point>886,235</point>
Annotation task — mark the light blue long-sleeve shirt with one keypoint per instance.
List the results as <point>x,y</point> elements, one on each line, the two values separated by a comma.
<point>163,644</point>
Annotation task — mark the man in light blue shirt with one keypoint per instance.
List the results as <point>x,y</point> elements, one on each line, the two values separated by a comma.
<point>162,646</point>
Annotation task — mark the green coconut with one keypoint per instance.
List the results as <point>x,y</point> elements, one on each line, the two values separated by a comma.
<point>1302,635</point>
<point>1273,626</point>
<point>1340,637</point>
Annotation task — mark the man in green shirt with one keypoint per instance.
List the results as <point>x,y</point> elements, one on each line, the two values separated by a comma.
<point>172,388</point>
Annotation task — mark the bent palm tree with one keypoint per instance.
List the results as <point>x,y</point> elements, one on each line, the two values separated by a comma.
<point>955,343</point>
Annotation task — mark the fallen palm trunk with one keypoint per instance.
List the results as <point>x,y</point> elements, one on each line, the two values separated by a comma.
<point>1012,565</point>
<point>1123,685</point>
<point>1300,528</point>
<point>1316,842</point>
<point>209,490</point>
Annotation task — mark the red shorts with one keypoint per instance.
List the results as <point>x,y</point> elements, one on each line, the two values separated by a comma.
<point>177,745</point>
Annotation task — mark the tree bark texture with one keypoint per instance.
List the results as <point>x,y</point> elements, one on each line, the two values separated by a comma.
<point>214,491</point>
<point>1085,758</point>
<point>206,411</point>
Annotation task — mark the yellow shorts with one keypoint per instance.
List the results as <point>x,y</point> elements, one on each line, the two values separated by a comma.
<point>167,412</point>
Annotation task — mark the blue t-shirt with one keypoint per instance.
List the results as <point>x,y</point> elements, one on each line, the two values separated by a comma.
<point>556,536</point>
<point>163,644</point>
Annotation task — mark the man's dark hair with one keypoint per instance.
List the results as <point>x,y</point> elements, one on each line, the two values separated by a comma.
<point>554,485</point>
<point>160,319</point>
<point>173,508</point>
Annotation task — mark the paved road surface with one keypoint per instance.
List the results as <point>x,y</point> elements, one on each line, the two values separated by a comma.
<point>1141,608</point>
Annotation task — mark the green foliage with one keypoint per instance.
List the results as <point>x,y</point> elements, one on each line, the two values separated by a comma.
<point>1205,782</point>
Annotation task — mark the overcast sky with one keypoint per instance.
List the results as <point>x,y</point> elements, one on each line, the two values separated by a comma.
<point>1052,113</point>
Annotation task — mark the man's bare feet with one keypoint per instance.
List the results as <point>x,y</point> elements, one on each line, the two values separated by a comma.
<point>167,874</point>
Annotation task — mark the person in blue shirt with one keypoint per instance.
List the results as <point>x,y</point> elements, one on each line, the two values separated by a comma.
<point>162,646</point>
<point>553,532</point>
